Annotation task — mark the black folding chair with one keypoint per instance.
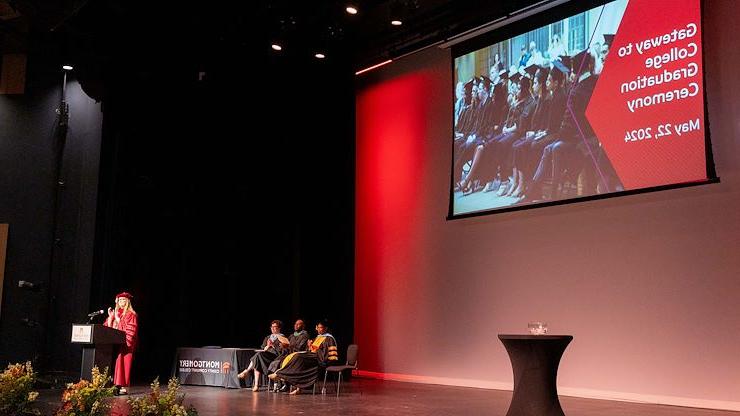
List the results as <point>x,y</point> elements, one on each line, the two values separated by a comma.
<point>352,352</point>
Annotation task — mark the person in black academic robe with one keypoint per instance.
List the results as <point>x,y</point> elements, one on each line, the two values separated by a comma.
<point>538,124</point>
<point>575,134</point>
<point>302,369</point>
<point>473,123</point>
<point>547,118</point>
<point>491,154</point>
<point>297,341</point>
<point>261,360</point>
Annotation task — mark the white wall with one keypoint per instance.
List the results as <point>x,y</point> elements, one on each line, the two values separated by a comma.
<point>649,285</point>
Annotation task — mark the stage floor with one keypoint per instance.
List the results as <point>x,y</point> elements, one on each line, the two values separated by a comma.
<point>375,397</point>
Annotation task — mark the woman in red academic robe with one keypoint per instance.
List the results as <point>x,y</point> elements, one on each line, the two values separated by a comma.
<point>124,319</point>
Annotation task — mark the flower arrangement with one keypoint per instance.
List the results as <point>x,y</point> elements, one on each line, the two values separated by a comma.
<point>16,394</point>
<point>159,403</point>
<point>87,398</point>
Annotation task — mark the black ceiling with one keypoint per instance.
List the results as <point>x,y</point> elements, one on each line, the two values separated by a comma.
<point>368,37</point>
<point>110,29</point>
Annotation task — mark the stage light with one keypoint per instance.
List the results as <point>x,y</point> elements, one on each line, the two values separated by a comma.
<point>396,22</point>
<point>276,47</point>
<point>351,9</point>
<point>67,67</point>
<point>320,55</point>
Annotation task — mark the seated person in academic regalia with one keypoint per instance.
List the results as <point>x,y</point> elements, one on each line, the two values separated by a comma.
<point>575,138</point>
<point>539,120</point>
<point>297,341</point>
<point>468,118</point>
<point>499,93</point>
<point>271,348</point>
<point>302,369</point>
<point>491,154</point>
<point>477,126</point>
<point>547,119</point>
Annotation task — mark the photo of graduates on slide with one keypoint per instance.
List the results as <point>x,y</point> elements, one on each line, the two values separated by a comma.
<point>520,130</point>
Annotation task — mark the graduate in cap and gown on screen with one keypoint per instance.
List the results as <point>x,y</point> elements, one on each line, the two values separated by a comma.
<point>548,117</point>
<point>491,153</point>
<point>574,132</point>
<point>540,117</point>
<point>500,99</point>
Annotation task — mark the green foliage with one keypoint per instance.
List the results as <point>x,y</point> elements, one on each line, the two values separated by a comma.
<point>159,403</point>
<point>16,390</point>
<point>87,398</point>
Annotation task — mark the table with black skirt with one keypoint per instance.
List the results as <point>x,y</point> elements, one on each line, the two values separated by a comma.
<point>211,366</point>
<point>535,360</point>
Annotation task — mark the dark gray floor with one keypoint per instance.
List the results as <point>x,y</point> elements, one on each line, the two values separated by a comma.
<point>376,398</point>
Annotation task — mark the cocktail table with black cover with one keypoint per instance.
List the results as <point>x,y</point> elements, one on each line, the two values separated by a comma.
<point>535,360</point>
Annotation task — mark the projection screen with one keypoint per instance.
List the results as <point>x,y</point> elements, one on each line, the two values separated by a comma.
<point>603,101</point>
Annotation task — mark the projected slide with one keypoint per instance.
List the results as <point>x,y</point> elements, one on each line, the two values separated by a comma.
<point>604,101</point>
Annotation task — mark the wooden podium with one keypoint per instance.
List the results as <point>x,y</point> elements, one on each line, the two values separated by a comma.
<point>99,344</point>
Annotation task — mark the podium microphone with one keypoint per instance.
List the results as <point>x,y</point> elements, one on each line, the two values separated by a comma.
<point>96,313</point>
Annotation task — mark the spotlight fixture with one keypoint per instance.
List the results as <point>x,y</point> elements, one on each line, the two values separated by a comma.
<point>276,47</point>
<point>67,67</point>
<point>320,55</point>
<point>396,22</point>
<point>351,9</point>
